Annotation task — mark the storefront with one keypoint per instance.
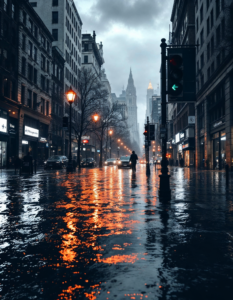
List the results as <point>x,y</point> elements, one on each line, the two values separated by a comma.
<point>219,150</point>
<point>3,138</point>
<point>12,141</point>
<point>188,152</point>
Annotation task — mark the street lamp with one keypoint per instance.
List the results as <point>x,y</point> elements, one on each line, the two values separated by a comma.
<point>110,133</point>
<point>70,95</point>
<point>96,117</point>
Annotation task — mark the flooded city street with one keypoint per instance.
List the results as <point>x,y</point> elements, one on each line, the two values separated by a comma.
<point>104,234</point>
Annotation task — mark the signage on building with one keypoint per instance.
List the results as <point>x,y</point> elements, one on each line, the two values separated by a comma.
<point>98,151</point>
<point>173,141</point>
<point>31,131</point>
<point>185,146</point>
<point>180,147</point>
<point>181,135</point>
<point>93,149</point>
<point>3,125</point>
<point>24,142</point>
<point>217,124</point>
<point>12,129</point>
<point>177,137</point>
<point>191,119</point>
<point>47,145</point>
<point>43,140</point>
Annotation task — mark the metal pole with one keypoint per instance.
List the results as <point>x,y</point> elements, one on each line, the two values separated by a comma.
<point>164,190</point>
<point>70,135</point>
<point>148,149</point>
<point>70,165</point>
<point>110,146</point>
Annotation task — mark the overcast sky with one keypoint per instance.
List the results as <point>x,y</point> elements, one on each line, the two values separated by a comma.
<point>131,32</point>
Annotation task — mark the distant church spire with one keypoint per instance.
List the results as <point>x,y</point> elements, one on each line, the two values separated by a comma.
<point>150,87</point>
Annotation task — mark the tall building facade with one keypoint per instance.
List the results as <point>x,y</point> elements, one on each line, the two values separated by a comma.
<point>182,140</point>
<point>131,102</point>
<point>9,109</point>
<point>214,77</point>
<point>149,94</point>
<point>63,21</point>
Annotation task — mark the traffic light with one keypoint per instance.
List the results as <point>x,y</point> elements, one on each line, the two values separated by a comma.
<point>152,132</point>
<point>181,74</point>
<point>175,74</point>
<point>146,131</point>
<point>65,122</point>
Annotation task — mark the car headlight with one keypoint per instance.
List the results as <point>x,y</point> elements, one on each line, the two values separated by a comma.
<point>45,162</point>
<point>114,162</point>
<point>130,162</point>
<point>119,162</point>
<point>57,162</point>
<point>105,163</point>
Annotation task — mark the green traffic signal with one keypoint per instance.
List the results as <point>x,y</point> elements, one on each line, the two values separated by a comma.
<point>175,88</point>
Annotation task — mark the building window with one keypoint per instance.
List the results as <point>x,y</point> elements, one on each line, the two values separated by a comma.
<point>218,35</point>
<point>197,24</point>
<point>55,34</point>
<point>48,47</point>
<point>30,26</point>
<point>55,2</point>
<point>42,62</point>
<point>24,18</point>
<point>85,59</point>
<point>35,76</point>
<point>47,85</point>
<point>5,5</point>
<point>218,60</point>
<point>30,72</point>
<point>43,82</point>
<point>22,94</point>
<point>42,106</point>
<point>202,37</point>
<point>202,60</point>
<point>13,11</point>
<point>43,41</point>
<point>35,31</point>
<point>223,28</point>
<point>35,53</point>
<point>33,4</point>
<point>207,4</point>
<point>212,45</point>
<point>212,18</point>
<point>201,13</point>
<point>208,73</point>
<point>24,42</point>
<point>23,66</point>
<point>34,101</point>
<point>208,26</point>
<point>48,66</point>
<point>30,48</point>
<point>212,67</point>
<point>208,51</point>
<point>55,17</point>
<point>47,108</point>
<point>29,98</point>
<point>217,8</point>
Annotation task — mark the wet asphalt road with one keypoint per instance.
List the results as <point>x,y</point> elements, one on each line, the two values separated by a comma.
<point>104,234</point>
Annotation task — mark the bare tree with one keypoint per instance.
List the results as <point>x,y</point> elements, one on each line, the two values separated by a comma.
<point>92,93</point>
<point>110,117</point>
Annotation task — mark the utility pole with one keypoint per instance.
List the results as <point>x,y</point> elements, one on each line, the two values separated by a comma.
<point>148,148</point>
<point>164,189</point>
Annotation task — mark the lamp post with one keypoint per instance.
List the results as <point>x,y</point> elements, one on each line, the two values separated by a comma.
<point>110,133</point>
<point>95,118</point>
<point>70,95</point>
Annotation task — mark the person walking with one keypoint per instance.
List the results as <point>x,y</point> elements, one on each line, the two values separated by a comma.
<point>133,159</point>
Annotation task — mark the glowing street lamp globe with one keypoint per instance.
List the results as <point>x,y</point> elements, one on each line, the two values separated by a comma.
<point>70,95</point>
<point>110,132</point>
<point>96,117</point>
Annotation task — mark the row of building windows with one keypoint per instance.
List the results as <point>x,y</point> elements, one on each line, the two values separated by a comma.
<point>71,78</point>
<point>70,45</point>
<point>73,19</point>
<point>30,100</point>
<point>72,63</point>
<point>71,31</point>
<point>9,88</point>
<point>34,31</point>
<point>6,8</point>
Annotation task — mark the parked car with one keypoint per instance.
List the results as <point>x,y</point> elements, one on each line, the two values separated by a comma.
<point>56,162</point>
<point>110,162</point>
<point>89,162</point>
<point>158,160</point>
<point>124,162</point>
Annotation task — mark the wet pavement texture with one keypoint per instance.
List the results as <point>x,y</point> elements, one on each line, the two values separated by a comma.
<point>104,234</point>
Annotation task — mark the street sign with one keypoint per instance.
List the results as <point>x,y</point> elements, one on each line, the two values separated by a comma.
<point>181,75</point>
<point>191,120</point>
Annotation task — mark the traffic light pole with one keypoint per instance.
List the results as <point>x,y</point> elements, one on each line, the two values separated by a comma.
<point>148,149</point>
<point>164,189</point>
